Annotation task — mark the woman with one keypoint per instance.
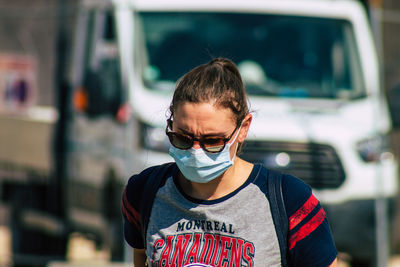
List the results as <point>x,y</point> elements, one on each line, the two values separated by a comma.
<point>212,208</point>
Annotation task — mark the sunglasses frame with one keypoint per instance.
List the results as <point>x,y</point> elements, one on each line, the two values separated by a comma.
<point>193,138</point>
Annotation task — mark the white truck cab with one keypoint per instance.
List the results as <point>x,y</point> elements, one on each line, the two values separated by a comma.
<point>311,73</point>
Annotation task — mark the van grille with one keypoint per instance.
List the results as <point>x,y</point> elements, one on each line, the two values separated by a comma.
<point>316,164</point>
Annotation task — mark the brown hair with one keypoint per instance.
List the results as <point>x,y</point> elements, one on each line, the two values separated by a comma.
<point>217,81</point>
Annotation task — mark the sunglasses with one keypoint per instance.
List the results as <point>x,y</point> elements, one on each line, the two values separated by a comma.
<point>211,144</point>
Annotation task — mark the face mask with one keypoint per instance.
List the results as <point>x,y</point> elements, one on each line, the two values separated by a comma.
<point>200,166</point>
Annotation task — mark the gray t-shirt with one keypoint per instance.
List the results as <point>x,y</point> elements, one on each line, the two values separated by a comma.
<point>236,230</point>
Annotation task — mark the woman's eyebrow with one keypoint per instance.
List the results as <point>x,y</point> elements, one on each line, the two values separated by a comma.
<point>185,132</point>
<point>203,135</point>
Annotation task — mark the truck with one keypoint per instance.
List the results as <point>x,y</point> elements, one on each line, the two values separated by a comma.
<point>310,70</point>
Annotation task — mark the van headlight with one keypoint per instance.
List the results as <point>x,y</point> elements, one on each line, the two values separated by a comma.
<point>374,149</point>
<point>154,138</point>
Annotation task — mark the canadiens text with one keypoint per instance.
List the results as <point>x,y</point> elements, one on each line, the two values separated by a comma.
<point>212,249</point>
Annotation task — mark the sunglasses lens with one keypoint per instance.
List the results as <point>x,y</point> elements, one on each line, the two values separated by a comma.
<point>213,145</point>
<point>180,141</point>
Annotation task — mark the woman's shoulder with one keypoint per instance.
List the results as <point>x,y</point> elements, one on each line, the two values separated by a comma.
<point>135,186</point>
<point>295,192</point>
<point>136,183</point>
<point>141,177</point>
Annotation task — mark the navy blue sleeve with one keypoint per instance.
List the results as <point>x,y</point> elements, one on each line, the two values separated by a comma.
<point>130,206</point>
<point>310,240</point>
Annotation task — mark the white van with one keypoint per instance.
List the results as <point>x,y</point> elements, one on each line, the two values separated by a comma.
<point>311,73</point>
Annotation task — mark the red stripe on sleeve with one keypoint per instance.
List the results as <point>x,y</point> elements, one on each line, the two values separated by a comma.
<point>129,217</point>
<point>307,229</point>
<point>127,209</point>
<point>302,212</point>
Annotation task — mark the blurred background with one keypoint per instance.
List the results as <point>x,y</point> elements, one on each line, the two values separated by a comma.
<point>84,87</point>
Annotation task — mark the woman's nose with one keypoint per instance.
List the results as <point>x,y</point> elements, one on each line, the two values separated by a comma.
<point>196,144</point>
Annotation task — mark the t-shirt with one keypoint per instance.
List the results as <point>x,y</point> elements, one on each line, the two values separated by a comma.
<point>235,230</point>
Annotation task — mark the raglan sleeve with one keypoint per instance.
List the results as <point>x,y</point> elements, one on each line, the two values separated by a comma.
<point>130,207</point>
<point>310,240</point>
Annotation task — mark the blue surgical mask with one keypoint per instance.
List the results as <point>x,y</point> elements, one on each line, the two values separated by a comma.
<point>200,166</point>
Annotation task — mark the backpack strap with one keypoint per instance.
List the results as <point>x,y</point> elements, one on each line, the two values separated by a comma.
<point>155,179</point>
<point>279,216</point>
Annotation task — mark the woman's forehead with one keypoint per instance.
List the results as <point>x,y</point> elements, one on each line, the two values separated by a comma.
<point>203,112</point>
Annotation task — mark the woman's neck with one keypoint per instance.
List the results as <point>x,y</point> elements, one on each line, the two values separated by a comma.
<point>231,180</point>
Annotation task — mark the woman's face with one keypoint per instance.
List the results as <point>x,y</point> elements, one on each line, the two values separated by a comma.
<point>205,119</point>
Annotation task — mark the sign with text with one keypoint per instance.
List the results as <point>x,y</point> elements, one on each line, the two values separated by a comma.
<point>18,82</point>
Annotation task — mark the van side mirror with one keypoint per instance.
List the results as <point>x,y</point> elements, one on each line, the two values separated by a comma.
<point>394,106</point>
<point>103,88</point>
<point>94,90</point>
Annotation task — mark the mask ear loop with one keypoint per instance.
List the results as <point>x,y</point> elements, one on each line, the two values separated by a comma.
<point>237,145</point>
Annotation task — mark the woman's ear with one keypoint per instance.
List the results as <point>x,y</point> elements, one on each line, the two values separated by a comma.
<point>245,128</point>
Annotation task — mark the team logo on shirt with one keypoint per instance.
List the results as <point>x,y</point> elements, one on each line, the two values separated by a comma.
<point>202,249</point>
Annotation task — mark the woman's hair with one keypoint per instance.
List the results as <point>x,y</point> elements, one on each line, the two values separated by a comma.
<point>218,82</point>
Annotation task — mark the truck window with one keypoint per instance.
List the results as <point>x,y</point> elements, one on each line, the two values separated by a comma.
<point>280,56</point>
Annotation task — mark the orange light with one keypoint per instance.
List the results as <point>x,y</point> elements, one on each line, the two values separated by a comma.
<point>80,99</point>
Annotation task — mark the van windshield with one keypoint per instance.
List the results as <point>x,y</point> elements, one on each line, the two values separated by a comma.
<point>278,56</point>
